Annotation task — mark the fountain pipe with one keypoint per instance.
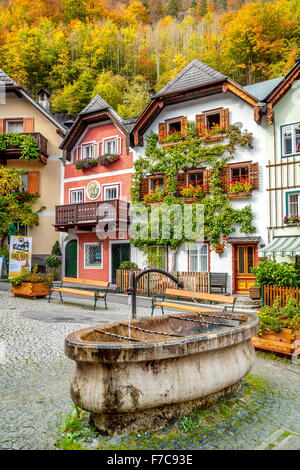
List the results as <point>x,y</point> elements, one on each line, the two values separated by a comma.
<point>133,281</point>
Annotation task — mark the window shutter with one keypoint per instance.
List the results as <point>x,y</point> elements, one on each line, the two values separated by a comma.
<point>206,180</point>
<point>144,187</point>
<point>225,119</point>
<point>2,125</point>
<point>200,123</point>
<point>162,129</point>
<point>225,178</point>
<point>119,145</point>
<point>33,182</point>
<point>181,180</point>
<point>183,126</point>
<point>254,175</point>
<point>28,125</point>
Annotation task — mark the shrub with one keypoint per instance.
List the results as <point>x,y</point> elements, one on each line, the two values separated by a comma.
<point>275,318</point>
<point>33,277</point>
<point>128,265</point>
<point>56,249</point>
<point>272,273</point>
<point>53,261</point>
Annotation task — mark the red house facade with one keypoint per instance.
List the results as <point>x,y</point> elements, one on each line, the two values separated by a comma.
<point>97,180</point>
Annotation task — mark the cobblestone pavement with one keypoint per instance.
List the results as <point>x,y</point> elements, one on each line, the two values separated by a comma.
<point>35,377</point>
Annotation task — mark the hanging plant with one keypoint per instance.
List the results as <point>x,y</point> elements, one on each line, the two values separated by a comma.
<point>108,158</point>
<point>26,143</point>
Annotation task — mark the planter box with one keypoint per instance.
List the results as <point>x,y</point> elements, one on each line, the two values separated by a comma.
<point>213,138</point>
<point>31,290</point>
<point>241,195</point>
<point>255,293</point>
<point>284,342</point>
<point>171,144</point>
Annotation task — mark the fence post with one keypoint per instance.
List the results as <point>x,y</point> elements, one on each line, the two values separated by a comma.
<point>262,293</point>
<point>121,280</point>
<point>209,281</point>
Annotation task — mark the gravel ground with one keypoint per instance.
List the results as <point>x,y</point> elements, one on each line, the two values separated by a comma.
<point>35,377</point>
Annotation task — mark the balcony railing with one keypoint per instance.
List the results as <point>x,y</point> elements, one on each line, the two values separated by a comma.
<point>13,151</point>
<point>90,213</point>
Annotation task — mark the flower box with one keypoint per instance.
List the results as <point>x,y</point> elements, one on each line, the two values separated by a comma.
<point>241,195</point>
<point>31,290</point>
<point>286,341</point>
<point>171,144</point>
<point>213,138</point>
<point>292,220</point>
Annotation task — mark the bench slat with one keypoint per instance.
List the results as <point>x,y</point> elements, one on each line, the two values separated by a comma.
<point>76,291</point>
<point>201,295</point>
<point>86,282</point>
<point>183,307</point>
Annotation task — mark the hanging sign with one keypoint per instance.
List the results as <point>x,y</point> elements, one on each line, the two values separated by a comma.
<point>20,251</point>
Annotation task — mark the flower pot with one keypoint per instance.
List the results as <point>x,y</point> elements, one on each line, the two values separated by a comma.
<point>31,290</point>
<point>255,293</point>
<point>241,195</point>
<point>286,341</point>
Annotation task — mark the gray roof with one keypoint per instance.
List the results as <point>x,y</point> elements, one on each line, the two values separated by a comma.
<point>262,89</point>
<point>6,79</point>
<point>97,104</point>
<point>129,123</point>
<point>196,73</point>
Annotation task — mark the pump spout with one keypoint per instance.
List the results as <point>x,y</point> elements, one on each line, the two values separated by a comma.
<point>133,281</point>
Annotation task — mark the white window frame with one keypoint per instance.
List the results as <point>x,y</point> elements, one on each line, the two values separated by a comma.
<point>209,113</point>
<point>82,189</point>
<point>110,186</point>
<point>293,126</point>
<point>199,256</point>
<point>105,141</point>
<point>93,244</point>
<point>8,121</point>
<point>84,146</point>
<point>289,203</point>
<point>171,121</point>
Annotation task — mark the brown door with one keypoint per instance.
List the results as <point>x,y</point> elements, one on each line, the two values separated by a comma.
<point>245,259</point>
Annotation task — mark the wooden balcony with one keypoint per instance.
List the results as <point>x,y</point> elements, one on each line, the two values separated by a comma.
<point>12,152</point>
<point>87,215</point>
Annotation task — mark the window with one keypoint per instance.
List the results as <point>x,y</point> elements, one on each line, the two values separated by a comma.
<point>76,196</point>
<point>14,126</point>
<point>111,146</point>
<point>212,119</point>
<point>293,204</point>
<point>240,172</point>
<point>93,255</point>
<point>88,151</point>
<point>156,183</point>
<point>195,178</point>
<point>290,137</point>
<point>111,192</point>
<point>198,258</point>
<point>24,182</point>
<point>174,126</point>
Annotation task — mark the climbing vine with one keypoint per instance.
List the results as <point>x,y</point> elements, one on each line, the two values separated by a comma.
<point>27,143</point>
<point>220,218</point>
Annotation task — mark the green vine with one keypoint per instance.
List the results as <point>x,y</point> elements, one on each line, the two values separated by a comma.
<point>220,218</point>
<point>26,143</point>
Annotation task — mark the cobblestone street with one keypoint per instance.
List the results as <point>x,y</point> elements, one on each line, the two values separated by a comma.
<point>35,377</point>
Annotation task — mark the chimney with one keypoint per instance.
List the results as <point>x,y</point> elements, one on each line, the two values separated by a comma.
<point>44,98</point>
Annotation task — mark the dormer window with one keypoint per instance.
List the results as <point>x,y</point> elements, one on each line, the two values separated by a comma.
<point>14,126</point>
<point>88,151</point>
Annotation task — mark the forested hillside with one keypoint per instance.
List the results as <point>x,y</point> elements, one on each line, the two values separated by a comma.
<point>125,51</point>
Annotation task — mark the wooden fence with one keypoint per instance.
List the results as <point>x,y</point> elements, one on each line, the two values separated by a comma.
<point>285,293</point>
<point>156,283</point>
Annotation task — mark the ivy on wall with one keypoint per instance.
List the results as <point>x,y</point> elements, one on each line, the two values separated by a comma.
<point>26,143</point>
<point>220,217</point>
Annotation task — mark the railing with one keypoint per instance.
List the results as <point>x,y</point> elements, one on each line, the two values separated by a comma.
<point>38,137</point>
<point>91,212</point>
<point>155,283</point>
<point>285,293</point>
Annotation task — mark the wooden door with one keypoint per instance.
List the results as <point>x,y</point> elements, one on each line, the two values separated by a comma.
<point>71,259</point>
<point>245,259</point>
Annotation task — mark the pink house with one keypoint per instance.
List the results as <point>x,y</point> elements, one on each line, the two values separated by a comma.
<point>97,180</point>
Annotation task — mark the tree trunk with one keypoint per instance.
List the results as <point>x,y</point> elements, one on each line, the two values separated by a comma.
<point>174,257</point>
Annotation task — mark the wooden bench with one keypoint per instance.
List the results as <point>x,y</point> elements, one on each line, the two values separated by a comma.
<point>58,286</point>
<point>219,280</point>
<point>193,296</point>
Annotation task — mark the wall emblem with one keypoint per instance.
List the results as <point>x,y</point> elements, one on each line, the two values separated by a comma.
<point>93,190</point>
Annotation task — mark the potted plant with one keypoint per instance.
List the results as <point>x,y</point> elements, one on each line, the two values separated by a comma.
<point>31,284</point>
<point>108,158</point>
<point>239,188</point>
<point>279,327</point>
<point>218,248</point>
<point>155,195</point>
<point>215,132</point>
<point>171,137</point>
<point>192,191</point>
<point>86,163</point>
<point>128,265</point>
<point>255,292</point>
<point>292,219</point>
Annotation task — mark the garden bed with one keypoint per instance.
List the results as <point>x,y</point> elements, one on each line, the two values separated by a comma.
<point>282,342</point>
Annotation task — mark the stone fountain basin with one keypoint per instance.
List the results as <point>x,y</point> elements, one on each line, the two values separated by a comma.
<point>153,379</point>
